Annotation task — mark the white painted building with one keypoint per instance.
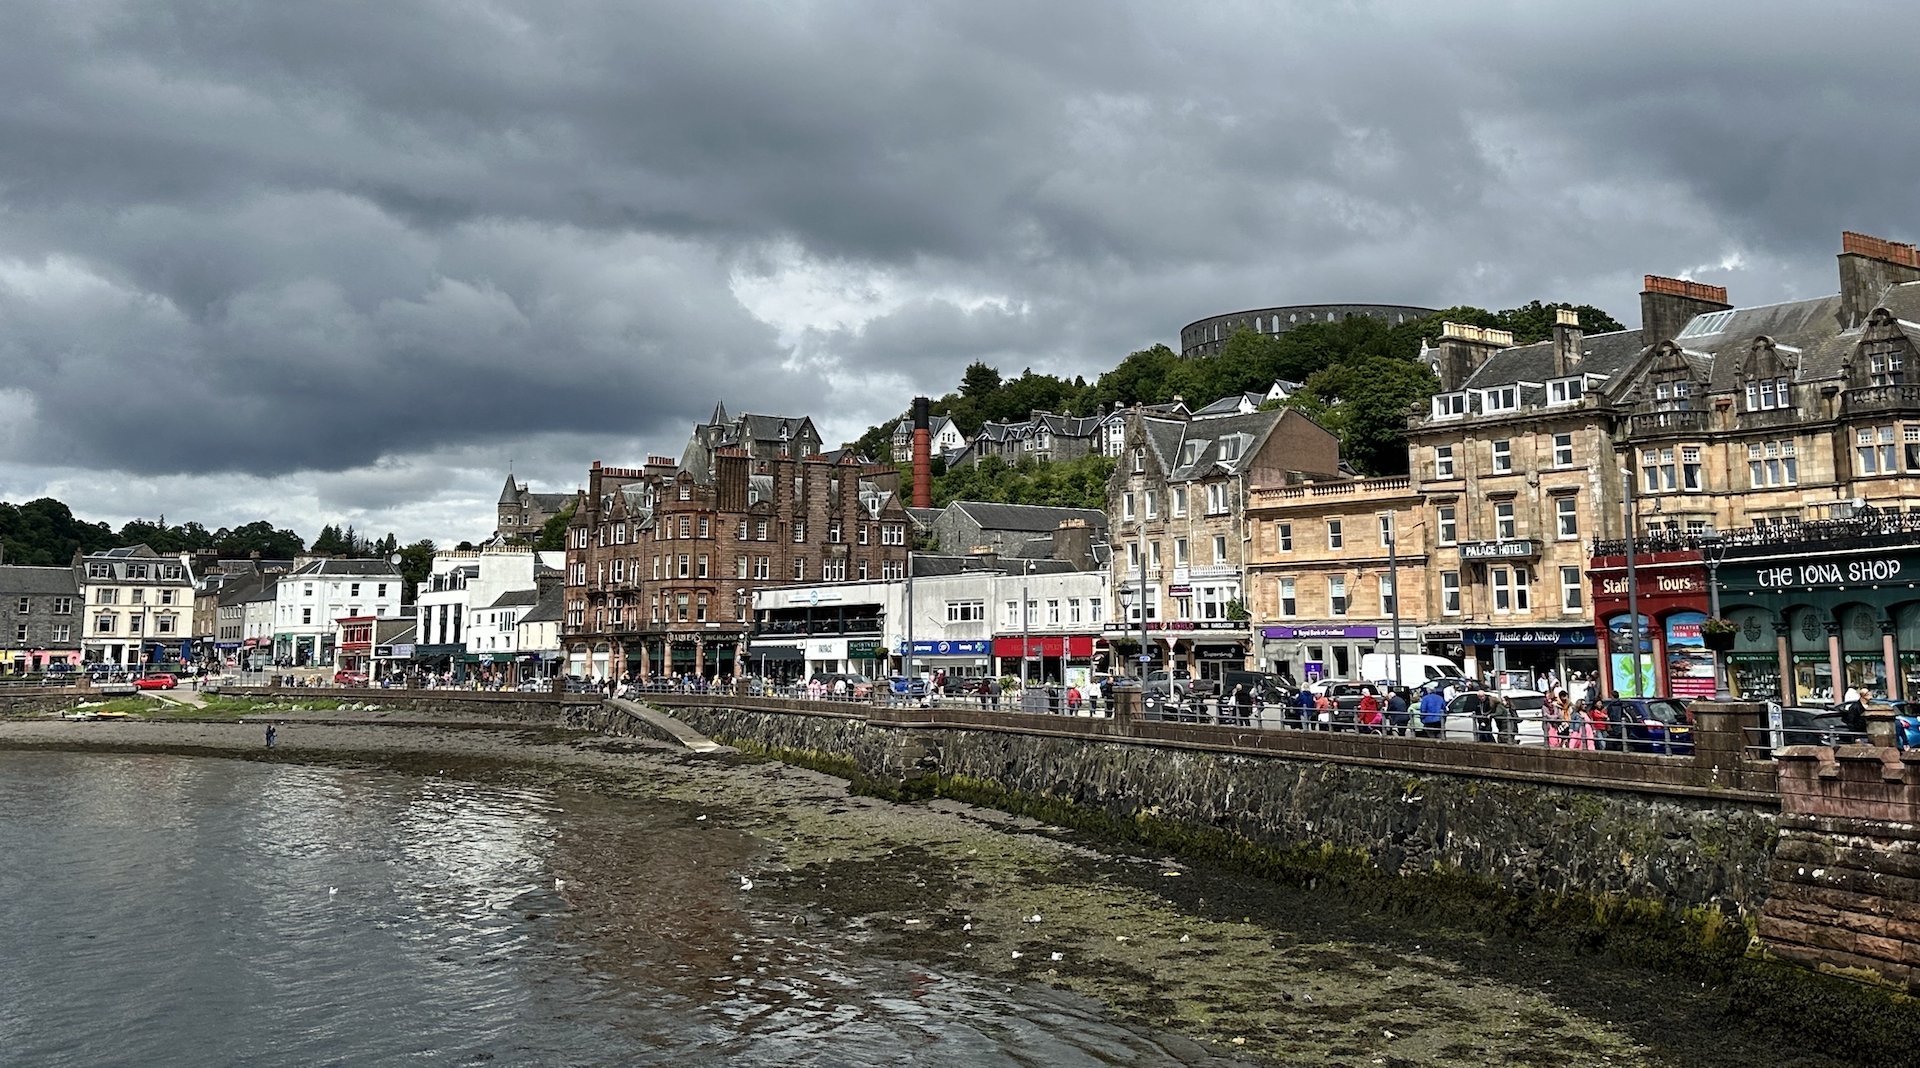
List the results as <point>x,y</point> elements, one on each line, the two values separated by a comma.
<point>967,623</point>
<point>468,610</point>
<point>137,602</point>
<point>319,591</point>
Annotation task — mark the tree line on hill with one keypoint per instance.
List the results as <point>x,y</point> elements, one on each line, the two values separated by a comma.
<point>1358,377</point>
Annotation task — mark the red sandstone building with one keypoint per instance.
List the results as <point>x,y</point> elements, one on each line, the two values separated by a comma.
<point>662,560</point>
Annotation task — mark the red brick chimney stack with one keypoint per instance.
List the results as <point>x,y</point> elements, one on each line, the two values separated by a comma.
<point>922,455</point>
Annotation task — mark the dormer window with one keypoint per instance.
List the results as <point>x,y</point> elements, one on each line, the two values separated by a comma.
<point>1886,363</point>
<point>1672,395</point>
<point>1500,399</point>
<point>1229,449</point>
<point>1768,394</point>
<point>1566,390</point>
<point>1449,405</point>
<point>1189,453</point>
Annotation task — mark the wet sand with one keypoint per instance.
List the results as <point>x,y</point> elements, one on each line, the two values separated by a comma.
<point>1246,969</point>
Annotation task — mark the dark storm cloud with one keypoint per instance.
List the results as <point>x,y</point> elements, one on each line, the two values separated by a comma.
<point>334,232</point>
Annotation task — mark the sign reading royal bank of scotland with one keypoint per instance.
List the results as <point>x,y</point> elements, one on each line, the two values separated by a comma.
<point>1509,549</point>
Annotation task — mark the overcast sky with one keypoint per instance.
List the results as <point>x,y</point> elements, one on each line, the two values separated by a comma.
<point>344,261</point>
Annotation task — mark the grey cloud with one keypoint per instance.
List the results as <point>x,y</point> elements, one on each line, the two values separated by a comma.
<point>362,229</point>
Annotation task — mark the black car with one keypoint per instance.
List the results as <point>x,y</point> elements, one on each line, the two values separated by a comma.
<point>1649,725</point>
<point>1815,726</point>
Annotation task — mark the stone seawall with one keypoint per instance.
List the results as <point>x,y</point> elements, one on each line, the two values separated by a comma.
<point>40,702</point>
<point>1685,851</point>
<point>1846,896</point>
<point>528,707</point>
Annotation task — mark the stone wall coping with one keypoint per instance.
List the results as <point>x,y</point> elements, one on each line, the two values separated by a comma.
<point>1627,772</point>
<point>362,693</point>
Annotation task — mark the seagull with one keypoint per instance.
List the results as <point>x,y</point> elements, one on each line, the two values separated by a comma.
<point>699,819</point>
<point>559,884</point>
<point>1059,956</point>
<point>1016,954</point>
<point>746,883</point>
<point>1035,918</point>
<point>332,890</point>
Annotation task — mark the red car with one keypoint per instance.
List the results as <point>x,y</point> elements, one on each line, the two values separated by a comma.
<point>156,682</point>
<point>349,678</point>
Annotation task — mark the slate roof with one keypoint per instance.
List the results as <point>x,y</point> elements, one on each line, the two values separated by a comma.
<point>1233,403</point>
<point>550,608</point>
<point>346,568</point>
<point>512,598</point>
<point>926,565</point>
<point>1601,354</point>
<point>28,579</point>
<point>923,517</point>
<point>1033,517</point>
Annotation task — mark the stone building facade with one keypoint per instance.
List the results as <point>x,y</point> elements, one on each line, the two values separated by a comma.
<point>1176,511</point>
<point>662,560</point>
<point>1044,437</point>
<point>521,513</point>
<point>1321,582</point>
<point>1514,460</point>
<point>40,618</point>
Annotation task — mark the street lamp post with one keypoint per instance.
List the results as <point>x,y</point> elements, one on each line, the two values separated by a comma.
<point>1393,582</point>
<point>1715,551</point>
<point>1026,621</point>
<point>740,598</point>
<point>1126,609</point>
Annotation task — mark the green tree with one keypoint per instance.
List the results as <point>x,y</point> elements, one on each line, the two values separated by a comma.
<point>416,563</point>
<point>979,380</point>
<point>553,533</point>
<point>45,533</point>
<point>1533,321</point>
<point>1366,404</point>
<point>260,537</point>
<point>1080,483</point>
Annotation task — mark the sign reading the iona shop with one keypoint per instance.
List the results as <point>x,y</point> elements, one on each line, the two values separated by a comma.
<point>1829,573</point>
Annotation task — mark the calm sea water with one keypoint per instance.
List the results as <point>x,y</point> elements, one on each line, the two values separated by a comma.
<point>160,910</point>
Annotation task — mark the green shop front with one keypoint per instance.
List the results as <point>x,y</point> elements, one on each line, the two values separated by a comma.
<point>1820,615</point>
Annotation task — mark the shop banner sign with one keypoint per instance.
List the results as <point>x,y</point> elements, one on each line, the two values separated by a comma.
<point>1580,636</point>
<point>967,648</point>
<point>1689,662</point>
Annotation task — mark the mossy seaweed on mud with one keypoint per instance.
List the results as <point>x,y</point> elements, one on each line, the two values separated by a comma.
<point>1856,1021</point>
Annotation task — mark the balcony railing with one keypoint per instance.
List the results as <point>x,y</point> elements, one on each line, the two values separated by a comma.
<point>1883,398</point>
<point>1874,530</point>
<point>1667,422</point>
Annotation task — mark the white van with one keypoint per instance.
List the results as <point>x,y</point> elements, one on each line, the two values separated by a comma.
<point>1415,668</point>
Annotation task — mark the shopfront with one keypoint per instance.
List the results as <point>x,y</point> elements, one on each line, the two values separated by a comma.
<point>1524,656</point>
<point>1064,659</point>
<point>1309,652</point>
<point>1670,590</point>
<point>780,661</point>
<point>956,659</point>
<point>1840,617</point>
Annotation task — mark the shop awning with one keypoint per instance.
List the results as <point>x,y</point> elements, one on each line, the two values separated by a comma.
<point>1073,645</point>
<point>776,652</point>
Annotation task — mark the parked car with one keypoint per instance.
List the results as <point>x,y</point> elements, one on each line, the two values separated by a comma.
<point>1810,726</point>
<point>857,685</point>
<point>1177,683</point>
<point>1527,706</point>
<point>349,678</point>
<point>1268,687</point>
<point>1649,724</point>
<point>160,681</point>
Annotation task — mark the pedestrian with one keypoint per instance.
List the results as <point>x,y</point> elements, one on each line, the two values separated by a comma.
<point>1579,727</point>
<point>1397,715</point>
<point>993,691</point>
<point>1433,714</point>
<point>1243,702</point>
<point>1369,716</point>
<point>1323,711</point>
<point>271,733</point>
<point>1301,709</point>
<point>1073,700</point>
<point>1507,724</point>
<point>1474,705</point>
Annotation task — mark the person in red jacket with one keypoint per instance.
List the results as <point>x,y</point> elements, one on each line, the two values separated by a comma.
<point>1370,718</point>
